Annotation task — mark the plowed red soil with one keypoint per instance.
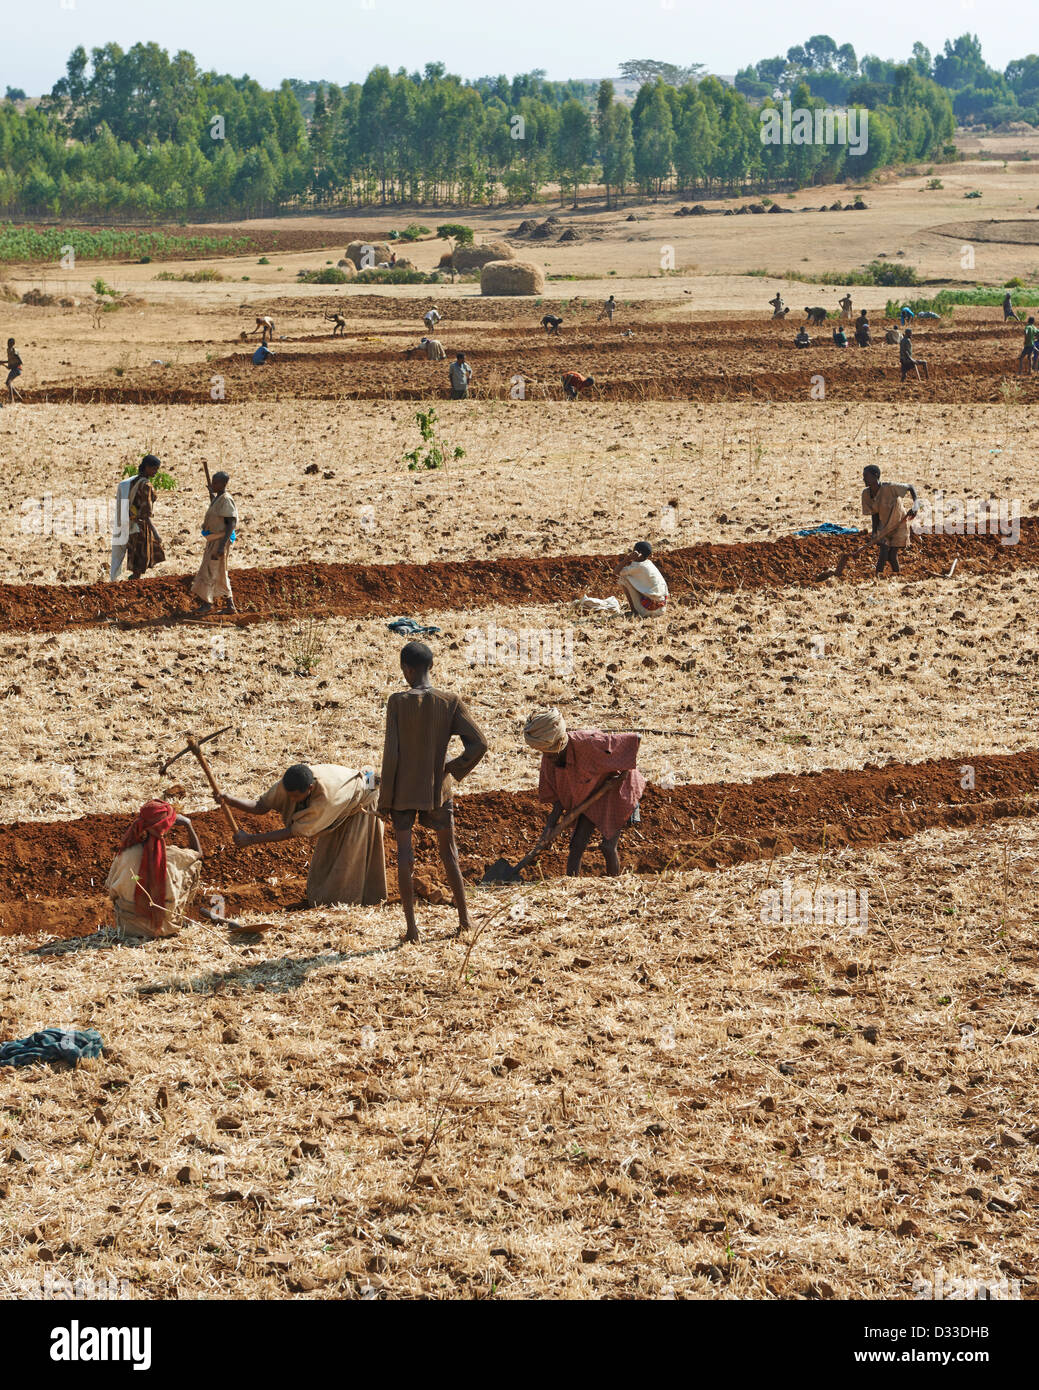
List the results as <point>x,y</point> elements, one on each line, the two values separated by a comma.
<point>286,593</point>
<point>716,360</point>
<point>51,873</point>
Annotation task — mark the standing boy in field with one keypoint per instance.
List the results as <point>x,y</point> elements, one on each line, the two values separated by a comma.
<point>14,371</point>
<point>459,375</point>
<point>608,308</point>
<point>219,529</point>
<point>1024,362</point>
<point>417,777</point>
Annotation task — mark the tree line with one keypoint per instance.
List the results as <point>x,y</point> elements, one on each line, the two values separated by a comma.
<point>141,134</point>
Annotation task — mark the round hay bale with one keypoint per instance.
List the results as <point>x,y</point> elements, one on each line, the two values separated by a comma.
<point>402,263</point>
<point>348,268</point>
<point>542,230</point>
<point>527,225</point>
<point>570,235</point>
<point>476,257</point>
<point>512,277</point>
<point>380,250</point>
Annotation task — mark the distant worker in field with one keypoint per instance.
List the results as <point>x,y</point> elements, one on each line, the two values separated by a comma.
<point>863,332</point>
<point>418,778</point>
<point>551,323</point>
<point>574,384</point>
<point>816,315</point>
<point>14,371</point>
<point>459,375</point>
<point>1008,309</point>
<point>906,315</point>
<point>607,310</point>
<point>151,883</point>
<point>219,529</point>
<point>143,546</point>
<point>573,767</point>
<point>264,326</point>
<point>846,308</point>
<point>434,349</point>
<point>840,338</point>
<point>335,807</point>
<point>801,338</point>
<point>644,586</point>
<point>262,355</point>
<point>431,318</point>
<point>339,331</point>
<point>1026,361</point>
<point>883,502</point>
<point>779,309</point>
<point>906,359</point>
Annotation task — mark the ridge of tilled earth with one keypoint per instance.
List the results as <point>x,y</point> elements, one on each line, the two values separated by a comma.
<point>286,593</point>
<point>51,872</point>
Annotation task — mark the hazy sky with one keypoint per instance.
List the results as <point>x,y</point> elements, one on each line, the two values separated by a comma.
<point>342,41</point>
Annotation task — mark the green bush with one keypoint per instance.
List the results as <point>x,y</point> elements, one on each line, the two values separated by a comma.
<point>394,276</point>
<point>162,482</point>
<point>413,231</point>
<point>330,275</point>
<point>456,232</point>
<point>945,300</point>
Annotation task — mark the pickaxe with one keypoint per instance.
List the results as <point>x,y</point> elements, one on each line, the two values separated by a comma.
<point>195,746</point>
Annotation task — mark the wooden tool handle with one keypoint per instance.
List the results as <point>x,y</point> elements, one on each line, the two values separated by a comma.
<point>209,480</point>
<point>212,782</point>
<point>565,821</point>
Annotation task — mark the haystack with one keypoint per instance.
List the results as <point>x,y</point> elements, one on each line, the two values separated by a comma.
<point>476,257</point>
<point>512,277</point>
<point>348,268</point>
<point>380,250</point>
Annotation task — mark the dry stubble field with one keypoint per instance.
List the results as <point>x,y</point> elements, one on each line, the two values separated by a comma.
<point>630,1089</point>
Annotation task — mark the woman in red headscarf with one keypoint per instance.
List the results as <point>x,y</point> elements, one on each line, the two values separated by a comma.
<point>151,883</point>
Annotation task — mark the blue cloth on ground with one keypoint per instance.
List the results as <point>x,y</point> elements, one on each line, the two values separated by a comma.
<point>51,1045</point>
<point>828,528</point>
<point>408,627</point>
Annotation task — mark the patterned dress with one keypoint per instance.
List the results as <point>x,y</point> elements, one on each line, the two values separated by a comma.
<point>144,548</point>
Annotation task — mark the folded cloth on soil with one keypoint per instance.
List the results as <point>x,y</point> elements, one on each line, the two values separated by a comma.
<point>51,1045</point>
<point>408,627</point>
<point>828,528</point>
<point>587,604</point>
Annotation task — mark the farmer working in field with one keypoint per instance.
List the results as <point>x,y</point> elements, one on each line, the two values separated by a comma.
<point>840,338</point>
<point>14,371</point>
<point>551,323</point>
<point>151,883</point>
<point>883,502</point>
<point>143,547</point>
<point>846,308</point>
<point>219,529</point>
<point>459,374</point>
<point>339,331</point>
<point>1008,309</point>
<point>801,338</point>
<point>418,777</point>
<point>574,384</point>
<point>863,332</point>
<point>779,309</point>
<point>906,359</point>
<point>264,326</point>
<point>608,308</point>
<point>1028,351</point>
<point>431,318</point>
<point>644,586</point>
<point>573,766</point>
<point>335,807</point>
<point>433,349</point>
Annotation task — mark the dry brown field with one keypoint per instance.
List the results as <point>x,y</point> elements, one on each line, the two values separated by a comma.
<point>650,1087</point>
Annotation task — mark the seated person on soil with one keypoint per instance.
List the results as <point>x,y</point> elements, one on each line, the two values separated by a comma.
<point>335,807</point>
<point>418,777</point>
<point>890,526</point>
<point>863,333</point>
<point>143,547</point>
<point>574,766</point>
<point>262,355</point>
<point>802,340</point>
<point>574,384</point>
<point>906,360</point>
<point>151,883</point>
<point>644,586</point>
<point>218,527</point>
<point>840,338</point>
<point>551,323</point>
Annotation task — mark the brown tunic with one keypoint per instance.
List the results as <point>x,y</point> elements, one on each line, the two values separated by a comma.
<point>419,727</point>
<point>889,507</point>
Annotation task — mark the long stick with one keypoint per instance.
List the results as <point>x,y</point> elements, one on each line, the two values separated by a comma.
<point>212,782</point>
<point>209,481</point>
<point>571,816</point>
